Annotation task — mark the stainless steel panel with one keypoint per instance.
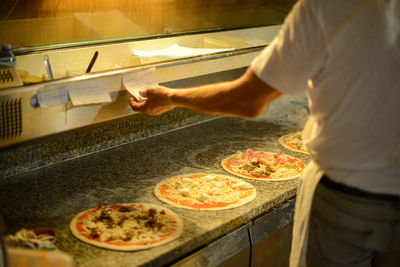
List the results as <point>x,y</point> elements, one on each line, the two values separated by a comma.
<point>271,237</point>
<point>229,251</point>
<point>273,250</point>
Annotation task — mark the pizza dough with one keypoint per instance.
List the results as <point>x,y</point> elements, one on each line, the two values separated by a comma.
<point>127,227</point>
<point>294,142</point>
<point>204,191</point>
<point>260,165</point>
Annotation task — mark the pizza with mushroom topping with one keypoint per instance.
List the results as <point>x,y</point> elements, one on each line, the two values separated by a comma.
<point>127,227</point>
<point>204,191</point>
<point>294,142</point>
<point>260,165</point>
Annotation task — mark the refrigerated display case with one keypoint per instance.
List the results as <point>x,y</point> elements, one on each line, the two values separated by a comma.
<point>56,42</point>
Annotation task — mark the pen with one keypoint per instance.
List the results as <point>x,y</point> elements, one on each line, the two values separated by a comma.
<point>89,68</point>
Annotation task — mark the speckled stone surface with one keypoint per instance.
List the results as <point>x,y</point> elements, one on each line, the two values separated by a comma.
<point>50,196</point>
<point>47,151</point>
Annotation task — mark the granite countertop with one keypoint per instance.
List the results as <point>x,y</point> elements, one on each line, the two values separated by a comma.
<point>52,195</point>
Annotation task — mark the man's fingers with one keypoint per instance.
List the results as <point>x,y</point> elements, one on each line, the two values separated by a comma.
<point>135,104</point>
<point>143,93</point>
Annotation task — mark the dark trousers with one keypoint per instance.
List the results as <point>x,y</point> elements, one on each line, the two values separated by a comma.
<point>350,227</point>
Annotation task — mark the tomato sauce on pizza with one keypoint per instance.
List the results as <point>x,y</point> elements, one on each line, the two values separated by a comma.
<point>260,165</point>
<point>127,227</point>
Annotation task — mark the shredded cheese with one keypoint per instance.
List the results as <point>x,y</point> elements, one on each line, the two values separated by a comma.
<point>203,189</point>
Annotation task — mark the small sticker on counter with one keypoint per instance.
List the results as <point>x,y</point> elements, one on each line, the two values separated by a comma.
<point>52,96</point>
<point>89,92</point>
<point>136,81</point>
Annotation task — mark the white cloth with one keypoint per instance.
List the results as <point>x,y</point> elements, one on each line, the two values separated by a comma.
<point>346,54</point>
<point>305,192</point>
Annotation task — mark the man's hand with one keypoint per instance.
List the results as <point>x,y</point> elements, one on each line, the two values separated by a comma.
<point>157,101</point>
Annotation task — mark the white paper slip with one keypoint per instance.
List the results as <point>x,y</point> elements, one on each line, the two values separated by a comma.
<point>89,92</point>
<point>177,51</point>
<point>141,80</point>
<point>52,96</point>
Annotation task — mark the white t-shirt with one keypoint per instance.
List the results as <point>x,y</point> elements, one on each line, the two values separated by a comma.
<point>346,54</point>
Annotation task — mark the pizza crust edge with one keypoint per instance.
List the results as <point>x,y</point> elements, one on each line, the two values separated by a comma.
<point>172,203</point>
<point>170,238</point>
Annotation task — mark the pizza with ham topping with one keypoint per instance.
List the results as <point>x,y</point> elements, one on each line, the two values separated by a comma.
<point>260,165</point>
<point>204,191</point>
<point>127,227</point>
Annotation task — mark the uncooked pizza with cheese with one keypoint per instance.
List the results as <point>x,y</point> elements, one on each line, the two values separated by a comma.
<point>293,141</point>
<point>260,165</point>
<point>205,191</point>
<point>127,227</point>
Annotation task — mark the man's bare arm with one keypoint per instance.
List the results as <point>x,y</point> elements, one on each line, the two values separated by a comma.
<point>245,97</point>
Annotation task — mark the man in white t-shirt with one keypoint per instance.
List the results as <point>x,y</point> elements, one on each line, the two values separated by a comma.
<point>346,55</point>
